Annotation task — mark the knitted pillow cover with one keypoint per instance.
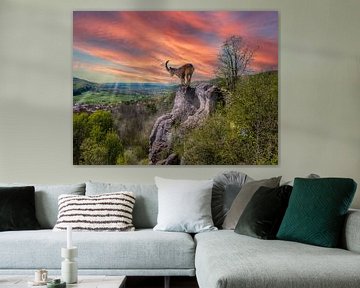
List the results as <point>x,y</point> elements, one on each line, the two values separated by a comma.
<point>316,211</point>
<point>105,212</point>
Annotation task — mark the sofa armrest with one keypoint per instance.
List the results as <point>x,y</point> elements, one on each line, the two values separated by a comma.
<point>351,234</point>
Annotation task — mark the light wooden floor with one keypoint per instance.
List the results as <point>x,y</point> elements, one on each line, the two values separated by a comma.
<point>158,282</point>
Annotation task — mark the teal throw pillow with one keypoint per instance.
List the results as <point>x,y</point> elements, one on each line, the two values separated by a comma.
<point>316,211</point>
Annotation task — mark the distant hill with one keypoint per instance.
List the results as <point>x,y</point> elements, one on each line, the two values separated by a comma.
<point>80,86</point>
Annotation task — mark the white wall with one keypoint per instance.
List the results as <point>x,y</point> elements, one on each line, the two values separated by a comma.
<point>319,90</point>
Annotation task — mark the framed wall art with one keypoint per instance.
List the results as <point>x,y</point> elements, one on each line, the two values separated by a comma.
<point>175,88</point>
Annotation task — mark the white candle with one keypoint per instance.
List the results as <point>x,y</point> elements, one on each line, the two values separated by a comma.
<point>69,239</point>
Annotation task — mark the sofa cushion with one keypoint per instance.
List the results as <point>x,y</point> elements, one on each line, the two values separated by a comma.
<point>46,200</point>
<point>243,198</point>
<point>137,250</point>
<point>17,208</point>
<point>184,205</point>
<point>263,215</point>
<point>226,187</point>
<point>146,205</point>
<point>317,209</point>
<point>105,212</point>
<point>225,259</point>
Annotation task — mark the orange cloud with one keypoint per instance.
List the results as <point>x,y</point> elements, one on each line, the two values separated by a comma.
<point>133,46</point>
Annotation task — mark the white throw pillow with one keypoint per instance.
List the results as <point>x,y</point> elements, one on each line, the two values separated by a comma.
<point>105,212</point>
<point>184,205</point>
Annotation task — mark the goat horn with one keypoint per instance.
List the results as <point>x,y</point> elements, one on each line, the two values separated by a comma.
<point>167,68</point>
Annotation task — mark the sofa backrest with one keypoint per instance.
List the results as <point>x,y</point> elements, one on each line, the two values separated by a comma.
<point>146,203</point>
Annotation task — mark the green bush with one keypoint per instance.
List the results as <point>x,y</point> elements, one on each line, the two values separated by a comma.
<point>80,132</point>
<point>93,153</point>
<point>244,132</point>
<point>95,140</point>
<point>113,146</point>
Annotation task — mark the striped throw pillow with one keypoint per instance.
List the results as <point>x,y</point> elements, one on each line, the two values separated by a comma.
<point>105,212</point>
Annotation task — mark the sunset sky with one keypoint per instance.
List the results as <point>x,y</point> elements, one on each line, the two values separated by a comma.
<point>124,46</point>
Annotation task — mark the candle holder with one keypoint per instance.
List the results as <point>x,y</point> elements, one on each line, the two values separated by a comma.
<point>68,265</point>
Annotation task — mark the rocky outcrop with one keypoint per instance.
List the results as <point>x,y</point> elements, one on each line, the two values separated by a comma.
<point>191,107</point>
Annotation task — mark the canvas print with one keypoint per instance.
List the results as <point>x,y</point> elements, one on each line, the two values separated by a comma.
<point>175,88</point>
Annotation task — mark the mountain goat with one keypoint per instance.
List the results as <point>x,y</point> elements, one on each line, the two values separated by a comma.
<point>183,72</point>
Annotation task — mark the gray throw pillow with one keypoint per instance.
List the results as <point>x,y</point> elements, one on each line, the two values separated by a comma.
<point>226,187</point>
<point>242,199</point>
<point>184,205</point>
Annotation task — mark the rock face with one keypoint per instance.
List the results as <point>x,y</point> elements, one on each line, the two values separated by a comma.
<point>191,107</point>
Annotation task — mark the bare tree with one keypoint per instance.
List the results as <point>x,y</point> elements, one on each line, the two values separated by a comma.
<point>233,60</point>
